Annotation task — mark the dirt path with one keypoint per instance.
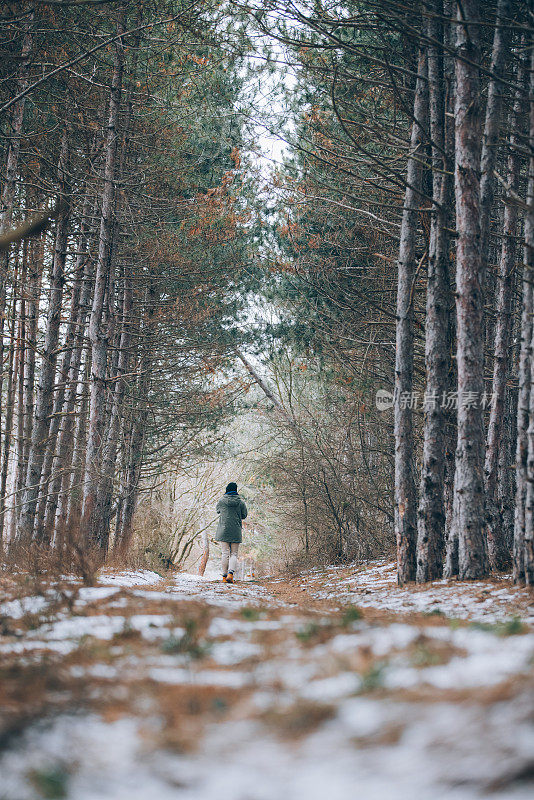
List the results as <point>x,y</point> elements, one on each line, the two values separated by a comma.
<point>309,687</point>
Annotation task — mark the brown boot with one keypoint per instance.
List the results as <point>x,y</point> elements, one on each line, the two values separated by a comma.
<point>225,578</point>
<point>230,577</point>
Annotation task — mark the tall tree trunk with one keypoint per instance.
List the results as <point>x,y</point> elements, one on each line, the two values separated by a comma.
<point>18,480</point>
<point>431,516</point>
<point>71,498</point>
<point>524,546</point>
<point>99,332</point>
<point>48,367</point>
<point>492,126</point>
<point>500,56</point>
<point>105,490</point>
<point>134,459</point>
<point>61,467</point>
<point>498,551</point>
<point>205,552</point>
<point>472,553</point>
<point>132,477</point>
<point>506,488</point>
<point>36,265</point>
<point>451,413</point>
<point>524,382</point>
<point>77,321</point>
<point>405,491</point>
<point>14,348</point>
<point>7,196</point>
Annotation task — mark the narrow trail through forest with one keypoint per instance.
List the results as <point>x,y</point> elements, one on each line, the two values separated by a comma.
<point>304,687</point>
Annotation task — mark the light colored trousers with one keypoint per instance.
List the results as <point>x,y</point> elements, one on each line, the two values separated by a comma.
<point>229,556</point>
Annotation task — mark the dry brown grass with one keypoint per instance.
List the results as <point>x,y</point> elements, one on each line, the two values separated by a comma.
<point>46,563</point>
<point>297,720</point>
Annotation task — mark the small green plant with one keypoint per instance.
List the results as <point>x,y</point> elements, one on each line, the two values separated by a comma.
<point>482,626</point>
<point>219,705</point>
<point>187,644</point>
<point>50,782</point>
<point>307,632</point>
<point>351,614</point>
<point>373,678</point>
<point>424,656</point>
<point>434,612</point>
<point>509,627</point>
<point>172,645</point>
<point>250,614</point>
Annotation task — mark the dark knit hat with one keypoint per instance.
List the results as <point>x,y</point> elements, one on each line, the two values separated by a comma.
<point>232,487</point>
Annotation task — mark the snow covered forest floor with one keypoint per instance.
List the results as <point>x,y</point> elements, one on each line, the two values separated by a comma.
<point>335,684</point>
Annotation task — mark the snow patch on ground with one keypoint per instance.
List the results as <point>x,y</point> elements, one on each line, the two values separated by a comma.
<point>489,661</point>
<point>89,594</point>
<point>62,647</point>
<point>138,577</point>
<point>233,652</point>
<point>221,626</point>
<point>439,752</point>
<point>57,635</point>
<point>328,689</point>
<point>375,586</point>
<point>16,609</point>
<point>215,593</point>
<point>203,677</point>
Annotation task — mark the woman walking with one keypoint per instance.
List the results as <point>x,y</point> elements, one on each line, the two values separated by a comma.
<point>232,511</point>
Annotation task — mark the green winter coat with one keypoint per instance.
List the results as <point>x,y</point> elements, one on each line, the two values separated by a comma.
<point>231,510</point>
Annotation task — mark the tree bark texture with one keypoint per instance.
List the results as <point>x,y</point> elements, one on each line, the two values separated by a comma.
<point>527,546</point>
<point>61,467</point>
<point>405,491</point>
<point>13,369</point>
<point>7,196</point>
<point>47,374</point>
<point>98,330</point>
<point>451,413</point>
<point>104,495</point>
<point>472,551</point>
<point>492,127</point>
<point>498,550</point>
<point>431,513</point>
